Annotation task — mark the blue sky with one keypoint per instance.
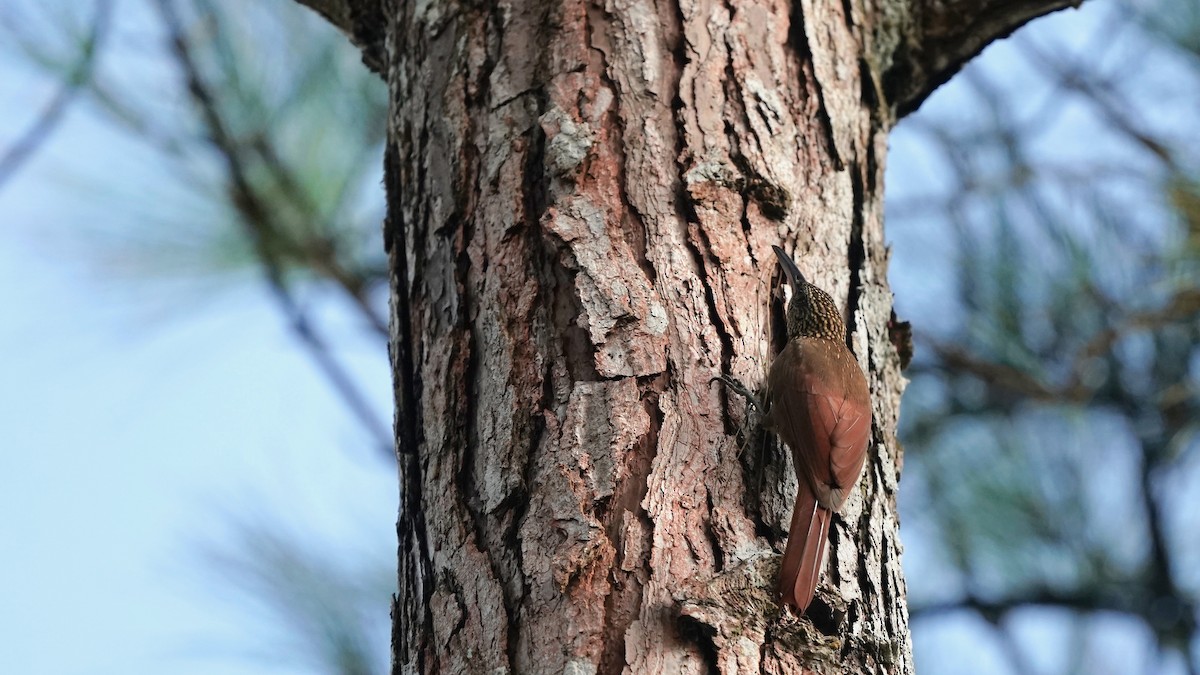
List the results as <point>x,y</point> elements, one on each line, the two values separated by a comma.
<point>127,449</point>
<point>131,434</point>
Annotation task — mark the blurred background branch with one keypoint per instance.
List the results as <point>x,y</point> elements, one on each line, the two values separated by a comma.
<point>1051,420</point>
<point>253,159</point>
<point>308,244</point>
<point>75,76</point>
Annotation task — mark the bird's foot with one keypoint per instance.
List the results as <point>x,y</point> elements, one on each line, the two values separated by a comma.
<point>732,383</point>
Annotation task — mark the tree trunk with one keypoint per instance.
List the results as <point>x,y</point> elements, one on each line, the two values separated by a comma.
<point>582,200</point>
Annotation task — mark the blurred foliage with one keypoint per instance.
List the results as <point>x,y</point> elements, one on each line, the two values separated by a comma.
<point>259,136</point>
<point>258,125</point>
<point>325,606</point>
<point>1050,426</point>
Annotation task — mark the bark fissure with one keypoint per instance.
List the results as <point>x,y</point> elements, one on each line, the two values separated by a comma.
<point>492,507</point>
<point>624,602</point>
<point>856,254</point>
<point>636,234</point>
<point>415,560</point>
<point>698,246</point>
<point>801,42</point>
<point>585,190</point>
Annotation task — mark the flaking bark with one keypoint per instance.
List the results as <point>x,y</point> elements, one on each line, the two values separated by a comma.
<point>582,197</point>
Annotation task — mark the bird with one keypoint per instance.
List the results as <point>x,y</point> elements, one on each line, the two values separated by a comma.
<point>817,401</point>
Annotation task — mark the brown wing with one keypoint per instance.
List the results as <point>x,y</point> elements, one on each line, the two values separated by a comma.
<point>821,408</point>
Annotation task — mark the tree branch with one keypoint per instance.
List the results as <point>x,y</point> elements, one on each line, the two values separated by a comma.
<point>362,21</point>
<point>948,34</point>
<point>1085,600</point>
<point>336,12</point>
<point>267,238</point>
<point>27,144</point>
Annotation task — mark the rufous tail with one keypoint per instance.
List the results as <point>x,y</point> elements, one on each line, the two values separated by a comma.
<point>807,539</point>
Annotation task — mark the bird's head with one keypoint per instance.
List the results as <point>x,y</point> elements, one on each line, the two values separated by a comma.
<point>811,312</point>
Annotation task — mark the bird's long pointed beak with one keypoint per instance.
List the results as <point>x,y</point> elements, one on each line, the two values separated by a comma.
<point>795,278</point>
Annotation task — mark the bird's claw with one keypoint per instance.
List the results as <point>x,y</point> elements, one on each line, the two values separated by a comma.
<point>751,397</point>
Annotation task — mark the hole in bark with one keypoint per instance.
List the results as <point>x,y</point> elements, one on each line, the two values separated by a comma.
<point>824,617</point>
<point>702,635</point>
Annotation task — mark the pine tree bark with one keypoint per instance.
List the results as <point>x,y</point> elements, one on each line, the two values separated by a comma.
<point>582,200</point>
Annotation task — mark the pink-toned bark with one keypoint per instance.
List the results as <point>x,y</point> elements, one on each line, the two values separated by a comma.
<point>582,200</point>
